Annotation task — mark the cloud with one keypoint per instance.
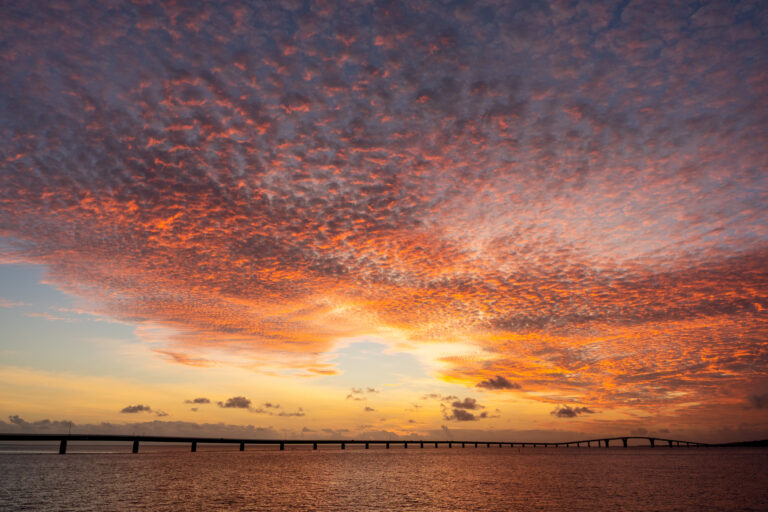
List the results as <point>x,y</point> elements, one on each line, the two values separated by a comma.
<point>236,402</point>
<point>437,396</point>
<point>463,415</point>
<point>497,382</point>
<point>51,318</point>
<point>358,393</point>
<point>404,175</point>
<point>355,394</point>
<point>459,410</point>
<point>299,413</point>
<point>16,420</point>
<point>335,432</point>
<point>565,411</point>
<point>198,401</point>
<point>130,409</point>
<point>467,403</point>
<point>7,303</point>
<point>758,401</point>
<point>269,408</point>
<point>155,427</point>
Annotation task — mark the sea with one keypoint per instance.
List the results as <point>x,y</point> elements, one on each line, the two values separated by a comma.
<point>216,477</point>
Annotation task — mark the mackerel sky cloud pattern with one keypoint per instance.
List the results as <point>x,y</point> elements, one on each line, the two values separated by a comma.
<point>577,189</point>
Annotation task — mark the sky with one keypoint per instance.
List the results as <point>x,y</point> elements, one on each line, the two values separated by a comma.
<point>501,219</point>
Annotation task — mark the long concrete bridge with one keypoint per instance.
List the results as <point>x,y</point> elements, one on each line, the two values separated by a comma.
<point>605,442</point>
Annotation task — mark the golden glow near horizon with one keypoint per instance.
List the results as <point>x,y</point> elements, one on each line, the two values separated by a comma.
<point>556,212</point>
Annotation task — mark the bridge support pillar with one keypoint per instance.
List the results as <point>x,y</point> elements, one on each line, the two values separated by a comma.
<point>435,445</point>
<point>488,445</point>
<point>282,446</point>
<point>405,444</point>
<point>653,442</point>
<point>63,447</point>
<point>624,440</point>
<point>607,443</point>
<point>475,445</point>
<point>670,443</point>
<point>589,444</point>
<point>450,445</point>
<point>343,446</point>
<point>314,446</point>
<point>366,446</point>
<point>421,444</point>
<point>242,446</point>
<point>194,446</point>
<point>462,445</point>
<point>135,448</point>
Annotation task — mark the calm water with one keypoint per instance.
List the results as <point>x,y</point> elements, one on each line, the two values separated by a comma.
<point>171,478</point>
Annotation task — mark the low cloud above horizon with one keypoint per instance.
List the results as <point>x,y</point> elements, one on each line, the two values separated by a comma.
<point>576,192</point>
<point>133,409</point>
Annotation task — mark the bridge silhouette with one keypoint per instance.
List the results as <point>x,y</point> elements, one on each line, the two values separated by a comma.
<point>136,440</point>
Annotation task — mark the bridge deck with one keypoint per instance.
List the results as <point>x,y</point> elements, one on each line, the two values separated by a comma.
<point>63,439</point>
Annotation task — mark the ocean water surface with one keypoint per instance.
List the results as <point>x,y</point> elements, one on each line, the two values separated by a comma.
<point>34,477</point>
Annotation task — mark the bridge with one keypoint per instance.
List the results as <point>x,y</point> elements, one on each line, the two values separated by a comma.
<point>136,440</point>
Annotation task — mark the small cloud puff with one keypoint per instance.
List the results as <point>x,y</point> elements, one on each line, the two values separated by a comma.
<point>497,382</point>
<point>565,411</point>
<point>198,401</point>
<point>131,409</point>
<point>236,402</point>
